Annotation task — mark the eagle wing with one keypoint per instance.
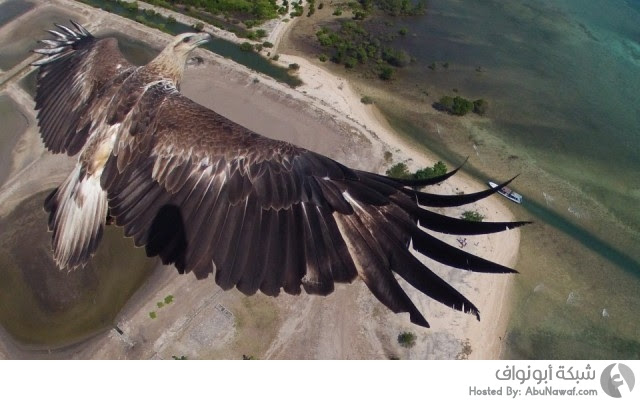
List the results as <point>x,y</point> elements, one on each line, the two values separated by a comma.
<point>74,74</point>
<point>209,195</point>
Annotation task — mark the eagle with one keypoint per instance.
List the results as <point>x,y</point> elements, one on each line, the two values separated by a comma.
<point>212,197</point>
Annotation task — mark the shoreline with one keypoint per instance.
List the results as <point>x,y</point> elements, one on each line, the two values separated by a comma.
<point>337,93</point>
<point>355,127</point>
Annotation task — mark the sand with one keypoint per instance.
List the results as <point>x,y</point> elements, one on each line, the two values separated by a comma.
<point>326,115</point>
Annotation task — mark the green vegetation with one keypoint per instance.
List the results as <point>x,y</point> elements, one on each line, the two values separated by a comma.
<point>153,315</point>
<point>407,339</point>
<point>480,106</point>
<point>199,26</point>
<point>160,304</point>
<point>168,299</point>
<point>256,11</point>
<point>473,216</point>
<point>438,169</point>
<point>461,106</point>
<point>401,171</point>
<point>397,7</point>
<point>388,156</point>
<point>179,358</point>
<point>366,100</point>
<point>267,44</point>
<point>294,67</point>
<point>322,57</point>
<point>403,31</point>
<point>352,45</point>
<point>386,73</point>
<point>246,46</point>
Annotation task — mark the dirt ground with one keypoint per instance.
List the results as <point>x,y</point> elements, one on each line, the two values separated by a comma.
<point>201,321</point>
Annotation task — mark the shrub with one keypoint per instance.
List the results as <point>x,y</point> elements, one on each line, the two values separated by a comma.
<point>199,26</point>
<point>267,44</point>
<point>261,33</point>
<point>399,170</point>
<point>407,339</point>
<point>322,57</point>
<point>456,105</point>
<point>366,100</point>
<point>275,57</point>
<point>168,299</point>
<point>386,73</point>
<point>480,106</point>
<point>403,31</point>
<point>337,12</point>
<point>246,46</point>
<point>350,62</point>
<point>438,169</point>
<point>153,315</point>
<point>473,216</point>
<point>294,67</point>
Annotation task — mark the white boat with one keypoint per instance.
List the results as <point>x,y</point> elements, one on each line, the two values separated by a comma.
<point>508,193</point>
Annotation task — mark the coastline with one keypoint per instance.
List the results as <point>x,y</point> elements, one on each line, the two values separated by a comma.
<point>352,131</point>
<point>337,94</point>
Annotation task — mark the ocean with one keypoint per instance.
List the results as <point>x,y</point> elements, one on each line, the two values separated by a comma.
<point>562,79</point>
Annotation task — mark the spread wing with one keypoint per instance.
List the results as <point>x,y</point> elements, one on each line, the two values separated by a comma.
<point>208,195</point>
<point>76,70</point>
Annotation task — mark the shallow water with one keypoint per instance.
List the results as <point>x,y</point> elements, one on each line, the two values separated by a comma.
<point>17,45</point>
<point>562,82</point>
<point>13,9</point>
<point>44,307</point>
<point>14,124</point>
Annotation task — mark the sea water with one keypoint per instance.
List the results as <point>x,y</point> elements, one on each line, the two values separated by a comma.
<point>562,79</point>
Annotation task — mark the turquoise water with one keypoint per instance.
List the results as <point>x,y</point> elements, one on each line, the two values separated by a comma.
<point>563,83</point>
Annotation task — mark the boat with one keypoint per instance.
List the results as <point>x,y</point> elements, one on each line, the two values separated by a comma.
<point>508,193</point>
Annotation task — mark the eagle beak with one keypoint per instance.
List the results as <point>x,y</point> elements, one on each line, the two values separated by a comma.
<point>203,38</point>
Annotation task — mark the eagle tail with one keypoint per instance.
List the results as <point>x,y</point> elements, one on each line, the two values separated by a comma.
<point>77,215</point>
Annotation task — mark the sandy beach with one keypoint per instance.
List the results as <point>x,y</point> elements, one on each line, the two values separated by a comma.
<point>326,115</point>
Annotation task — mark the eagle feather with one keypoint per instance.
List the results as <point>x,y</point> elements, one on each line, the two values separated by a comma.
<point>212,197</point>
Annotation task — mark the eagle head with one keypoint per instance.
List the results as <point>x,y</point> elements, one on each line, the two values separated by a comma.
<point>185,43</point>
<point>169,64</point>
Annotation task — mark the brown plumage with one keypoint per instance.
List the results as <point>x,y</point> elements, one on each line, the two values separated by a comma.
<point>211,197</point>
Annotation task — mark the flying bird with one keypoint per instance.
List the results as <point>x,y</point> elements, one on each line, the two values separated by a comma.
<point>212,197</point>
